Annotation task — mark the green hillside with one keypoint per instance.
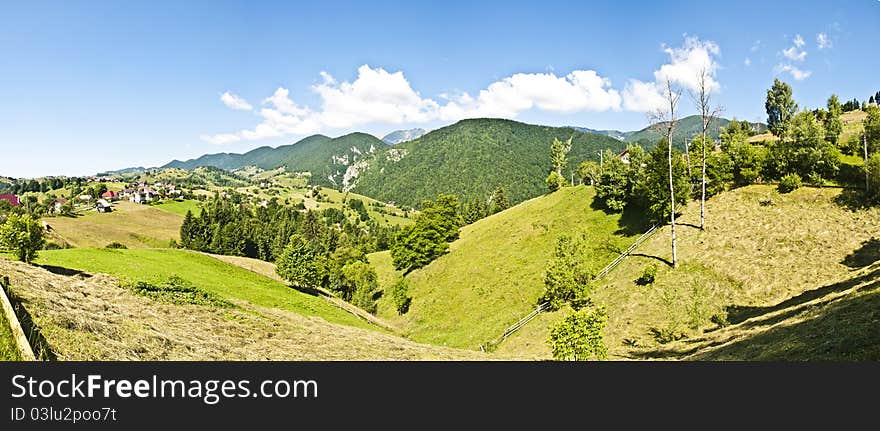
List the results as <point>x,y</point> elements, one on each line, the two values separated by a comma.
<point>472,157</point>
<point>207,273</point>
<point>774,277</point>
<point>492,275</point>
<point>327,159</point>
<point>685,129</point>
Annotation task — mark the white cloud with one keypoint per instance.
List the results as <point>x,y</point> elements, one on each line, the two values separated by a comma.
<point>235,102</point>
<point>683,69</point>
<point>379,96</point>
<point>755,46</point>
<point>747,61</point>
<point>823,41</point>
<point>794,54</point>
<point>642,96</point>
<point>795,72</point>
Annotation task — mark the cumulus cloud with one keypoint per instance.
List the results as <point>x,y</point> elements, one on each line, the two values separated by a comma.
<point>747,61</point>
<point>235,102</point>
<point>684,67</point>
<point>795,72</point>
<point>795,52</point>
<point>823,41</point>
<point>379,96</point>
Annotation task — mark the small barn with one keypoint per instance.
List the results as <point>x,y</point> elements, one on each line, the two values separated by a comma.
<point>103,206</point>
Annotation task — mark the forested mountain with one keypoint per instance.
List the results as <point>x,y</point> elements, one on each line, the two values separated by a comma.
<point>328,159</point>
<point>472,157</point>
<point>685,130</point>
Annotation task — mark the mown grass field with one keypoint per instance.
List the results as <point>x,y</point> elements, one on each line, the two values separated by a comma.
<point>783,277</point>
<point>205,272</point>
<point>135,226</point>
<point>8,348</point>
<point>492,275</point>
<point>92,316</point>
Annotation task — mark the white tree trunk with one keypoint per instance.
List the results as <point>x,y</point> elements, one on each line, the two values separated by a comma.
<point>672,201</point>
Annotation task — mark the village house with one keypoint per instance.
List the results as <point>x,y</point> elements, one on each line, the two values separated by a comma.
<point>12,199</point>
<point>58,203</point>
<point>142,197</point>
<point>103,206</point>
<point>624,156</point>
<point>110,194</point>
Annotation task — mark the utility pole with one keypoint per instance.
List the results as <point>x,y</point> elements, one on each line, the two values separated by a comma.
<point>600,163</point>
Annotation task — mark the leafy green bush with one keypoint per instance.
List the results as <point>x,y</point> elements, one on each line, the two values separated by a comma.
<point>115,245</point>
<point>579,337</point>
<point>789,183</point>
<point>399,293</point>
<point>648,276</point>
<point>567,277</point>
<point>555,182</point>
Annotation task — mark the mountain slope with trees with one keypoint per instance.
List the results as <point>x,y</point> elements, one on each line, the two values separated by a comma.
<point>327,159</point>
<point>686,129</point>
<point>472,157</point>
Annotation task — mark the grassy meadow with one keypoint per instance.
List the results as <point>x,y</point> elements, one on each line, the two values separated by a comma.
<point>133,225</point>
<point>180,207</point>
<point>492,275</point>
<point>770,278</point>
<point>205,272</point>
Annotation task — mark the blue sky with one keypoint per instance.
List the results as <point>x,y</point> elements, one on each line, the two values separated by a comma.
<point>91,86</point>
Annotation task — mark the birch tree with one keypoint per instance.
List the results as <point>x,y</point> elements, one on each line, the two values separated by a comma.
<point>708,114</point>
<point>663,120</point>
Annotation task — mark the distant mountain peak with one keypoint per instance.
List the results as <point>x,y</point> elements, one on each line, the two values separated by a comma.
<point>399,136</point>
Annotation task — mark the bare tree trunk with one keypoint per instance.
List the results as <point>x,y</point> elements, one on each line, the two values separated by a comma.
<point>672,195</point>
<point>707,114</point>
<point>687,156</point>
<point>664,120</point>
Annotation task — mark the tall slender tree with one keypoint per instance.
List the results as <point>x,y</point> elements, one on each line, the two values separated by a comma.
<point>663,120</point>
<point>708,114</point>
<point>780,107</point>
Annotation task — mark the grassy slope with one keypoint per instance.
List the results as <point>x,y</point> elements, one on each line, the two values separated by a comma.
<point>90,317</point>
<point>790,277</point>
<point>180,207</point>
<point>203,271</point>
<point>8,349</point>
<point>136,226</point>
<point>493,273</point>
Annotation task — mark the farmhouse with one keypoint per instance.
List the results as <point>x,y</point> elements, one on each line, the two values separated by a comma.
<point>12,199</point>
<point>624,156</point>
<point>109,194</point>
<point>58,203</point>
<point>142,197</point>
<point>103,206</point>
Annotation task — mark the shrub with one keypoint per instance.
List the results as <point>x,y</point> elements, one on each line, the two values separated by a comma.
<point>399,295</point>
<point>23,235</point>
<point>578,337</point>
<point>176,290</point>
<point>789,183</point>
<point>555,182</point>
<point>648,276</point>
<point>115,245</point>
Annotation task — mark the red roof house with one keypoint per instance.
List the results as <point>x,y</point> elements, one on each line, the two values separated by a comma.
<point>109,194</point>
<point>12,199</point>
